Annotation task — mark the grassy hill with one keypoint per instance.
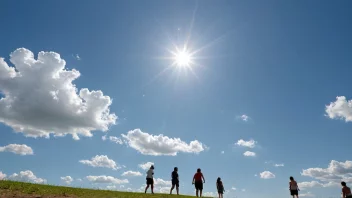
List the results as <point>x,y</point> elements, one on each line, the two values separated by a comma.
<point>27,190</point>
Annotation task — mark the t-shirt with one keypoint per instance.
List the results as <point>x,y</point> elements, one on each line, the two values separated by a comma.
<point>198,177</point>
<point>174,175</point>
<point>150,173</point>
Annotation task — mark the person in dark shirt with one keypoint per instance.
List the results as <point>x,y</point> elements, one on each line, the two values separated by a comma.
<point>175,181</point>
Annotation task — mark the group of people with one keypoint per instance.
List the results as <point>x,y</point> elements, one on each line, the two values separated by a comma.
<point>346,191</point>
<point>198,180</point>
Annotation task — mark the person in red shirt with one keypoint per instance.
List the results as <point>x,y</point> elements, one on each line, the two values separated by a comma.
<point>346,191</point>
<point>198,181</point>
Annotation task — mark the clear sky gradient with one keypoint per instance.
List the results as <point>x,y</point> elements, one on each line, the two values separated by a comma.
<point>264,71</point>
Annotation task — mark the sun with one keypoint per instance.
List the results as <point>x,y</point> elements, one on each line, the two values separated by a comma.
<point>182,58</point>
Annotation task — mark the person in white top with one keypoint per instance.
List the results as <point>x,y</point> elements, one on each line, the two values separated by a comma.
<point>293,187</point>
<point>150,180</point>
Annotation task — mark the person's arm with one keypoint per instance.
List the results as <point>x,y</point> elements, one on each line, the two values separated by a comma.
<point>289,185</point>
<point>193,179</point>
<point>343,193</point>
<point>203,178</point>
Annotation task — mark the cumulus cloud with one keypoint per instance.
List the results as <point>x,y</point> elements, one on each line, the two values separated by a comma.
<point>106,179</point>
<point>315,184</point>
<point>40,98</point>
<point>20,149</point>
<point>146,166</point>
<point>250,143</point>
<point>233,188</point>
<point>267,175</point>
<point>249,154</point>
<point>161,182</point>
<point>307,194</point>
<point>2,176</point>
<point>112,139</point>
<point>332,175</point>
<point>132,173</point>
<point>209,194</point>
<point>158,145</point>
<point>111,187</point>
<point>26,176</point>
<point>164,189</point>
<point>340,109</point>
<point>101,161</point>
<point>244,118</point>
<point>67,179</point>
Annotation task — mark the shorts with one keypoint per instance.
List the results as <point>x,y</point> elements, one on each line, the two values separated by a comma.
<point>150,181</point>
<point>176,183</point>
<point>294,192</point>
<point>221,191</point>
<point>198,185</point>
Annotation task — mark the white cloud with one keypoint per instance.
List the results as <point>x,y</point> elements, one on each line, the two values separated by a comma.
<point>233,188</point>
<point>162,182</point>
<point>340,109</point>
<point>222,152</point>
<point>267,175</point>
<point>157,145</point>
<point>112,139</point>
<point>336,171</point>
<point>243,190</point>
<point>67,179</point>
<point>106,179</point>
<point>101,161</point>
<point>308,194</point>
<point>249,154</point>
<point>279,165</point>
<point>250,143</point>
<point>2,176</point>
<point>26,176</point>
<point>111,187</point>
<point>40,98</point>
<point>79,180</point>
<point>77,57</point>
<point>132,173</point>
<point>209,194</point>
<point>20,149</point>
<point>146,166</point>
<point>244,117</point>
<point>164,189</point>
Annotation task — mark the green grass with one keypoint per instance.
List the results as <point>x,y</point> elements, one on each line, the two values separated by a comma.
<point>8,188</point>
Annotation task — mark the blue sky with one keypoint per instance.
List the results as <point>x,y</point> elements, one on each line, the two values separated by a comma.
<point>281,63</point>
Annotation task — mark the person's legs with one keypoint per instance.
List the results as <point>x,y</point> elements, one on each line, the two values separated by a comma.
<point>219,195</point>
<point>177,187</point>
<point>197,192</point>
<point>152,187</point>
<point>200,192</point>
<point>177,190</point>
<point>146,188</point>
<point>172,188</point>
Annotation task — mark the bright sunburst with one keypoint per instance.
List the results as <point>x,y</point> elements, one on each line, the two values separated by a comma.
<point>182,58</point>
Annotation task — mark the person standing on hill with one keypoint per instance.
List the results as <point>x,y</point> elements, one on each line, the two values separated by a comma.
<point>220,187</point>
<point>175,181</point>
<point>150,180</point>
<point>346,191</point>
<point>293,187</point>
<point>198,181</point>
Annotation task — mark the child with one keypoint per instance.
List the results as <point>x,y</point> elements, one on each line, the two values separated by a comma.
<point>220,187</point>
<point>175,181</point>
<point>293,187</point>
<point>150,180</point>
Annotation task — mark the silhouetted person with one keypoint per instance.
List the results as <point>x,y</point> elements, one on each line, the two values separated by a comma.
<point>150,180</point>
<point>220,187</point>
<point>293,187</point>
<point>175,181</point>
<point>346,191</point>
<point>198,181</point>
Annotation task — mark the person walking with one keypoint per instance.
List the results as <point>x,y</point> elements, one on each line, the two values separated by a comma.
<point>293,187</point>
<point>198,180</point>
<point>150,180</point>
<point>346,191</point>
<point>175,181</point>
<point>220,187</point>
